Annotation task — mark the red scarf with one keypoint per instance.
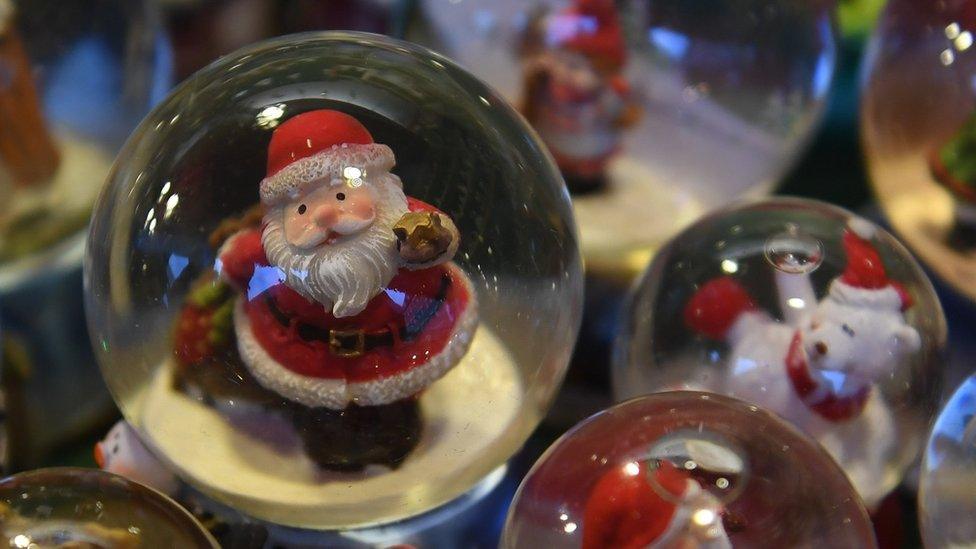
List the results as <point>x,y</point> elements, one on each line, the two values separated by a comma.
<point>829,406</point>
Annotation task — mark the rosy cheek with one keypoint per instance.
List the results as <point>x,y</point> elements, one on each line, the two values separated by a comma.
<point>295,225</point>
<point>362,208</point>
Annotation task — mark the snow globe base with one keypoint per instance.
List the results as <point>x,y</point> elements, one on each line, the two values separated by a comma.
<point>281,484</point>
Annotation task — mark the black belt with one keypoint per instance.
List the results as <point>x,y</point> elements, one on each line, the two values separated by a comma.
<point>354,343</point>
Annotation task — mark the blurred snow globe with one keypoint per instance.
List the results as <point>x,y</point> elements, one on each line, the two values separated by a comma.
<point>806,310</point>
<point>947,481</point>
<point>307,280</point>
<point>76,77</point>
<point>75,507</point>
<point>656,111</point>
<point>686,469</point>
<point>918,127</point>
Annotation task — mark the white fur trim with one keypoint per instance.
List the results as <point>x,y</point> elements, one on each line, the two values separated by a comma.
<point>393,388</point>
<point>881,298</point>
<point>291,180</point>
<point>862,227</point>
<point>338,394</point>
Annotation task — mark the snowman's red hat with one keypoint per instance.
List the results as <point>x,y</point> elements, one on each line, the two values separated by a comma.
<point>635,505</point>
<point>316,148</point>
<point>864,280</point>
<point>592,28</point>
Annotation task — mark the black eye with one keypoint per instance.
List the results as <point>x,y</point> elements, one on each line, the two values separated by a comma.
<point>341,196</point>
<point>847,330</point>
<point>302,209</point>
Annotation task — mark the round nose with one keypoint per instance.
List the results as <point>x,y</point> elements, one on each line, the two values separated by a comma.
<point>325,216</point>
<point>99,455</point>
<point>820,347</point>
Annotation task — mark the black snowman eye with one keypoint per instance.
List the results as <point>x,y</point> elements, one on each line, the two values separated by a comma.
<point>847,330</point>
<point>340,196</point>
<point>302,209</point>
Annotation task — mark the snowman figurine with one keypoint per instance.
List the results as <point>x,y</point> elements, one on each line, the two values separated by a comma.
<point>122,452</point>
<point>818,368</point>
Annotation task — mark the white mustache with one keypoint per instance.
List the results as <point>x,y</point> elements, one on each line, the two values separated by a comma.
<point>351,225</point>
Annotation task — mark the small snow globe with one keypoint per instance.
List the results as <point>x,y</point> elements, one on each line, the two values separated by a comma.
<point>334,281</point>
<point>655,111</point>
<point>804,309</point>
<point>77,78</point>
<point>947,480</point>
<point>75,507</point>
<point>686,469</point>
<point>918,127</point>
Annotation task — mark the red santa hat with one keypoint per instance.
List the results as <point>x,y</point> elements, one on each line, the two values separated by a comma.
<point>592,28</point>
<point>319,147</point>
<point>864,280</point>
<point>634,505</point>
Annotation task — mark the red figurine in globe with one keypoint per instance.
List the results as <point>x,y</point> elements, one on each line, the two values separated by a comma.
<point>575,94</point>
<point>641,505</point>
<point>343,301</point>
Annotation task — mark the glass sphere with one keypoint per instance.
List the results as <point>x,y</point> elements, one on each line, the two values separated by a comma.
<point>804,309</point>
<point>917,119</point>
<point>77,76</point>
<point>686,469</point>
<point>303,333</point>
<point>947,482</point>
<point>74,507</point>
<point>656,111</point>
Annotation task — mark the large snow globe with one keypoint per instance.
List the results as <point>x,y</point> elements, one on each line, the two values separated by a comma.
<point>334,280</point>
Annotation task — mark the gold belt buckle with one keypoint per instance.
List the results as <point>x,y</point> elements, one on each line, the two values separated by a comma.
<point>335,343</point>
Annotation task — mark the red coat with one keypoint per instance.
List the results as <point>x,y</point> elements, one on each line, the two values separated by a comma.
<point>281,318</point>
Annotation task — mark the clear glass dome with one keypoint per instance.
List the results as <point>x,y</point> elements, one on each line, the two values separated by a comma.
<point>279,314</point>
<point>73,507</point>
<point>656,111</point>
<point>686,469</point>
<point>947,482</point>
<point>917,121</point>
<point>78,77</point>
<point>802,308</point>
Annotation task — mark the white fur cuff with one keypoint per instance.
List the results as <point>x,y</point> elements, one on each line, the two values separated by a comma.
<point>290,181</point>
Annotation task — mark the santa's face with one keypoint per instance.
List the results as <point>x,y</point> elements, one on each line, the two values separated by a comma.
<point>349,256</point>
<point>328,213</point>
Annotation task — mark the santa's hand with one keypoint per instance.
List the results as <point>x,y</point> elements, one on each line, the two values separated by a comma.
<point>423,237</point>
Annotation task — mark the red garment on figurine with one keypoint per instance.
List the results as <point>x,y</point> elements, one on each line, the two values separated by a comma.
<point>409,294</point>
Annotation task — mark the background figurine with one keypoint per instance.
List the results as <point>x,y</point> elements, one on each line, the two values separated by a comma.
<point>575,93</point>
<point>953,165</point>
<point>122,452</point>
<point>818,368</point>
<point>626,510</point>
<point>342,305</point>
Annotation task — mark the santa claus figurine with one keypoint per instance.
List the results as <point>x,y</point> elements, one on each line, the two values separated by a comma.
<point>575,94</point>
<point>652,505</point>
<point>343,304</point>
<point>818,368</point>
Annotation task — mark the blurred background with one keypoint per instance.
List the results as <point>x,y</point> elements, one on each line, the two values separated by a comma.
<point>102,70</point>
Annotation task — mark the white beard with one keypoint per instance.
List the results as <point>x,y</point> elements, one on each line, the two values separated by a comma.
<point>347,274</point>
